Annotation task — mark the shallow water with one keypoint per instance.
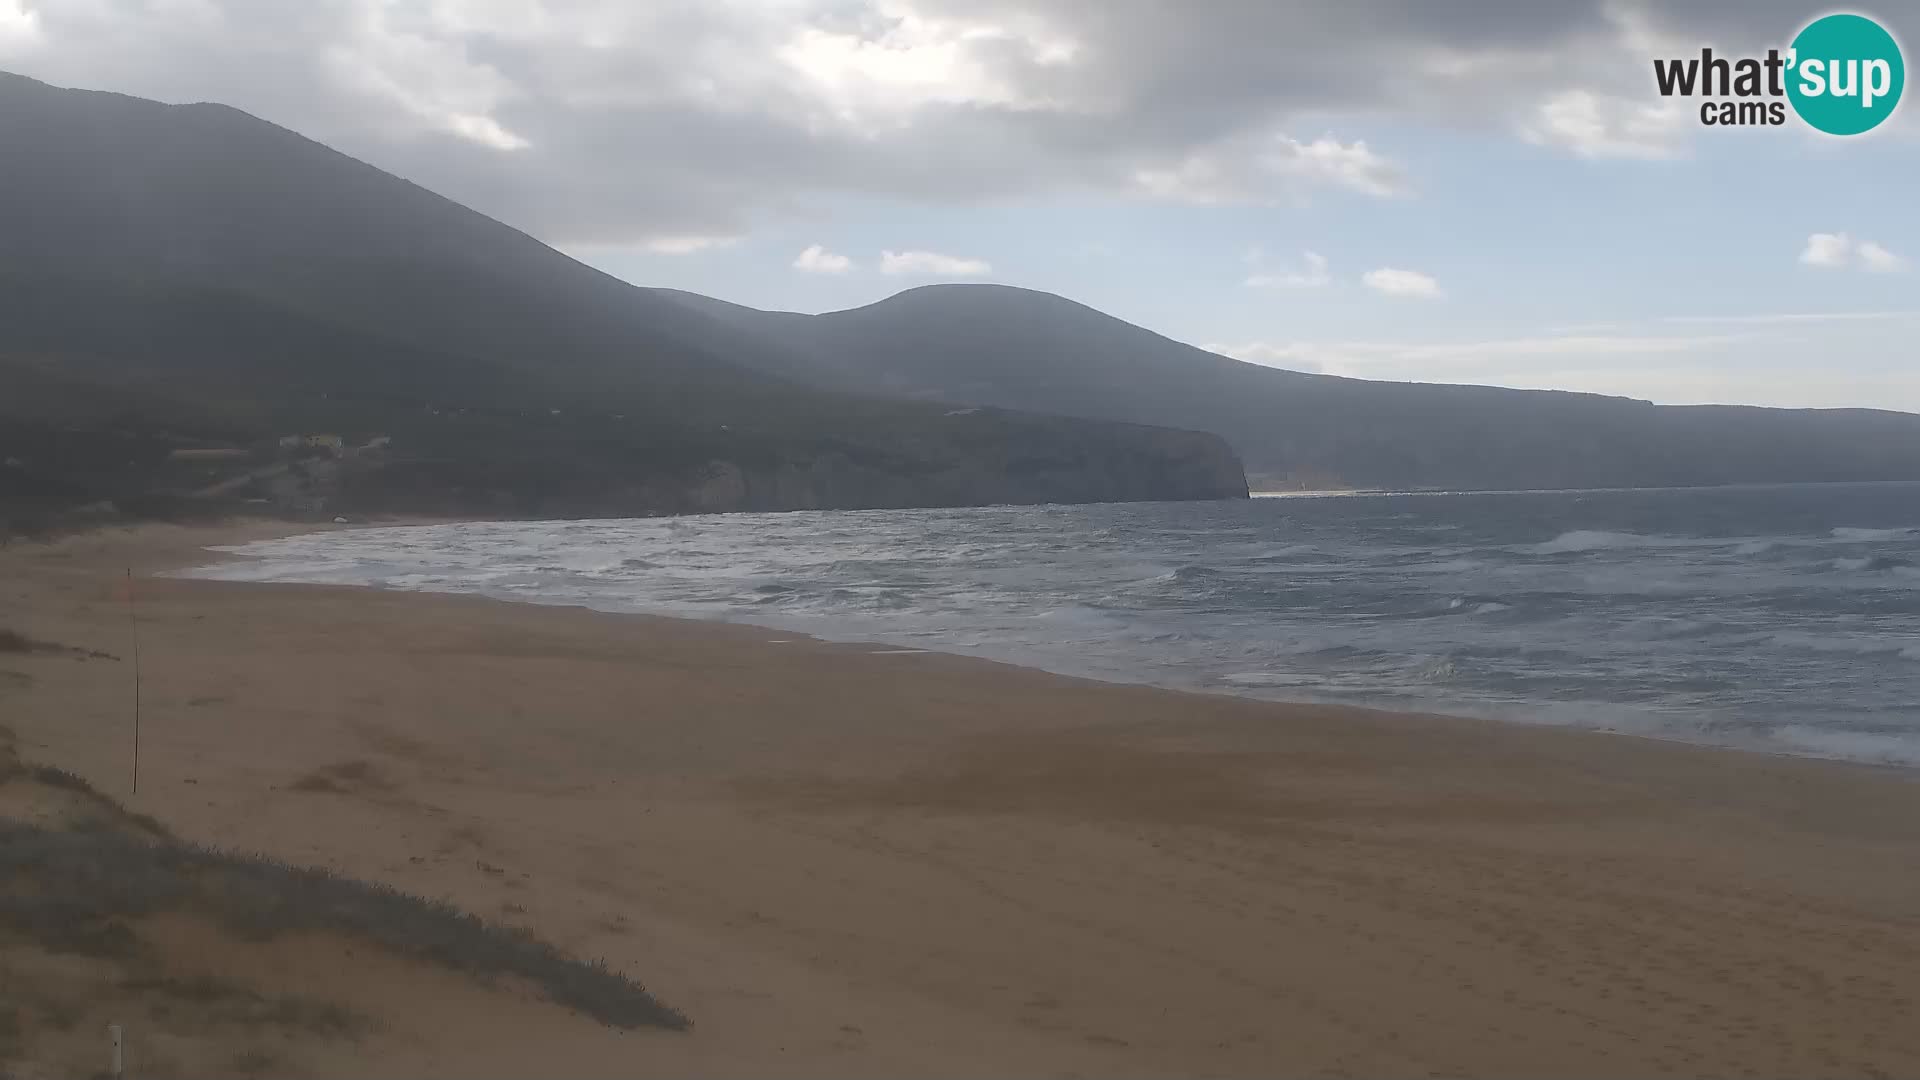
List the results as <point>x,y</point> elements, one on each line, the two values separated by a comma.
<point>1778,618</point>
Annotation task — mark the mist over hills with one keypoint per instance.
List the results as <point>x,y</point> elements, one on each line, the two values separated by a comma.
<point>997,345</point>
<point>175,279</point>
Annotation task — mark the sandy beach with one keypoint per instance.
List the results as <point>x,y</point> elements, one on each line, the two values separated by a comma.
<point>841,860</point>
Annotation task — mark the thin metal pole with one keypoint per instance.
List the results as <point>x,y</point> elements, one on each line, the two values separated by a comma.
<point>119,1062</point>
<point>133,626</point>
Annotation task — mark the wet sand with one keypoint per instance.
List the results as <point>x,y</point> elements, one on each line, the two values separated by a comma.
<point>850,861</point>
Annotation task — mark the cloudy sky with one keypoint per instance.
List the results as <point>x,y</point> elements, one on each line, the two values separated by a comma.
<point>1475,191</point>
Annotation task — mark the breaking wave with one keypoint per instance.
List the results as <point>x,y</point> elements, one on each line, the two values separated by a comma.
<point>1754,617</point>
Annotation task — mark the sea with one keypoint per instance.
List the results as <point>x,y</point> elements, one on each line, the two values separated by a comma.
<point>1775,618</point>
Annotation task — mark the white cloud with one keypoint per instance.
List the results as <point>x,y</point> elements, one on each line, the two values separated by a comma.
<point>552,115</point>
<point>1293,357</point>
<point>1408,283</point>
<point>1834,251</point>
<point>1792,317</point>
<point>1312,277</point>
<point>818,260</point>
<point>484,130</point>
<point>19,27</point>
<point>1328,161</point>
<point>932,262</point>
<point>1592,125</point>
<point>1827,250</point>
<point>875,70</point>
<point>686,245</point>
<point>1270,169</point>
<point>393,62</point>
<point>1879,259</point>
<point>1519,360</point>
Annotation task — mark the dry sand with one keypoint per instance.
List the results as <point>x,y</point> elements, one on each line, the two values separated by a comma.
<point>844,861</point>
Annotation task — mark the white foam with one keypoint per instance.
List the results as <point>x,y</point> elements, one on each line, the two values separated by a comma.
<point>1880,747</point>
<point>1601,540</point>
<point>1597,540</point>
<point>1869,535</point>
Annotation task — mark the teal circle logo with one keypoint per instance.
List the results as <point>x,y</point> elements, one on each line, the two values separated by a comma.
<point>1846,74</point>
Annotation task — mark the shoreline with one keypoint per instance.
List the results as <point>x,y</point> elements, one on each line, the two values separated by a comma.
<point>841,861</point>
<point>1677,737</point>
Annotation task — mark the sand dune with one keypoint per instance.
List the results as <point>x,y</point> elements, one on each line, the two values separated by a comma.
<point>857,862</point>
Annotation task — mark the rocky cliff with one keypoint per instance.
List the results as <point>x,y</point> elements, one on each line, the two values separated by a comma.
<point>1031,460</point>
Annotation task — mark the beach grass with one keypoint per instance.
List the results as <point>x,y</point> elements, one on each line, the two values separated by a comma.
<point>82,891</point>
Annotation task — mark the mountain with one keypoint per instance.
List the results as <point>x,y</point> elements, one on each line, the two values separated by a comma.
<point>190,278</point>
<point>184,287</point>
<point>1000,346</point>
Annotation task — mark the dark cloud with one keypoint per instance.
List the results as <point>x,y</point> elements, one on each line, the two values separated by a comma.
<point>601,121</point>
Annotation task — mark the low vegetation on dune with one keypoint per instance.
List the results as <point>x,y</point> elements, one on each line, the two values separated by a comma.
<point>83,881</point>
<point>76,890</point>
<point>13,641</point>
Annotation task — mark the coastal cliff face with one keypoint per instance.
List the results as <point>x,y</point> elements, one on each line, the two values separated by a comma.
<point>1159,466</point>
<point>1059,461</point>
<point>68,446</point>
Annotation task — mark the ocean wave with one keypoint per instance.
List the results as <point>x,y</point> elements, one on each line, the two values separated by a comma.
<point>1883,747</point>
<point>1876,562</point>
<point>1322,652</point>
<point>1683,628</point>
<point>1181,581</point>
<point>1598,540</point>
<point>1285,551</point>
<point>1716,616</point>
<point>1443,566</point>
<point>1475,605</point>
<point>1904,648</point>
<point>1580,540</point>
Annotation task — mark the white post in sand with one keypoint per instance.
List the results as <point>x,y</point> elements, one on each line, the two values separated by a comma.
<point>113,1036</point>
